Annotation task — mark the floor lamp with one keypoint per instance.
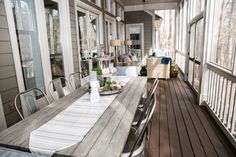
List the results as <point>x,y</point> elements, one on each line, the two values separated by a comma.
<point>115,43</point>
<point>128,43</point>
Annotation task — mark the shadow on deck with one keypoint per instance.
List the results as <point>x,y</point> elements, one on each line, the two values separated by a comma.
<point>181,128</point>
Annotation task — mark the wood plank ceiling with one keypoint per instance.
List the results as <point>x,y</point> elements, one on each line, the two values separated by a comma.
<point>139,2</point>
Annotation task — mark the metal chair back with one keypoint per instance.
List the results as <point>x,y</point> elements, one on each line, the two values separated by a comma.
<point>148,102</point>
<point>57,85</point>
<point>75,79</point>
<point>141,130</point>
<point>30,99</point>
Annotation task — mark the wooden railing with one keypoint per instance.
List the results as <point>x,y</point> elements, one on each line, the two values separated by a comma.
<point>221,97</point>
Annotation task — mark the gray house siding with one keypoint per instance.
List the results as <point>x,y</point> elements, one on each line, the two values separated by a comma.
<point>8,82</point>
<point>142,17</point>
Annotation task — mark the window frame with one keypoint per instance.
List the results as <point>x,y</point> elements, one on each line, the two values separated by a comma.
<point>112,21</point>
<point>213,41</point>
<point>98,2</point>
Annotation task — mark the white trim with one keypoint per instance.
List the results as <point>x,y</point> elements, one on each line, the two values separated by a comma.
<point>43,42</point>
<point>14,44</point>
<point>66,40</point>
<point>81,5</point>
<point>77,35</point>
<point>154,6</point>
<point>110,20</point>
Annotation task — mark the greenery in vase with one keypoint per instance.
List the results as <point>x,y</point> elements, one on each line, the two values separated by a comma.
<point>98,70</point>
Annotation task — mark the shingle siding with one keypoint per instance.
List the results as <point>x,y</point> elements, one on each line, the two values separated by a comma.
<point>146,19</point>
<point>8,82</point>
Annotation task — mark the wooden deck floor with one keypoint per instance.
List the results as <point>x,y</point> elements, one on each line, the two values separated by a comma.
<point>181,128</point>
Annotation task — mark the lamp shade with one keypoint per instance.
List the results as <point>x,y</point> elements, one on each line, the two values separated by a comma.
<point>128,42</point>
<point>158,21</point>
<point>115,42</point>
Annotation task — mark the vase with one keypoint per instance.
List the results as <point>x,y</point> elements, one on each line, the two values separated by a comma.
<point>143,71</point>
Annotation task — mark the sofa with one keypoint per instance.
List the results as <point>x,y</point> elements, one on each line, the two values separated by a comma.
<point>128,65</point>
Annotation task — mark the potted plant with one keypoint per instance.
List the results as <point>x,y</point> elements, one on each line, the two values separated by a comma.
<point>174,70</point>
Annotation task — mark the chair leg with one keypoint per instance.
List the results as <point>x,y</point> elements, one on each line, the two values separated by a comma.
<point>143,153</point>
<point>148,132</point>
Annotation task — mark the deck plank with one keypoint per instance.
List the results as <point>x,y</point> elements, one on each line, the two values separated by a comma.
<point>182,127</point>
<point>210,129</point>
<point>205,141</point>
<point>193,136</point>
<point>164,131</point>
<point>183,132</point>
<point>175,148</point>
<point>153,146</point>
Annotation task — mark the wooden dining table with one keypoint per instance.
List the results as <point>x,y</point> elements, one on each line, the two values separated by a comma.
<point>106,138</point>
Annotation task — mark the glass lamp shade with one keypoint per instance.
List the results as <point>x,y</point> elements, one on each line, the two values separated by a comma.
<point>115,42</point>
<point>128,42</point>
<point>157,23</point>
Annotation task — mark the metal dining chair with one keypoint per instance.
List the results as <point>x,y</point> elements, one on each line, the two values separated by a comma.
<point>141,112</point>
<point>30,98</point>
<point>75,79</point>
<point>143,99</point>
<point>135,144</point>
<point>57,86</point>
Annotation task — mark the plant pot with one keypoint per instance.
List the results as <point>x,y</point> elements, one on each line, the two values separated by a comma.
<point>143,71</point>
<point>174,70</point>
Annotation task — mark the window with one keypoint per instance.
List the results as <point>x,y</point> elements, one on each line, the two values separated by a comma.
<point>93,33</point>
<point>54,38</point>
<point>28,41</point>
<point>196,7</point>
<point>88,30</point>
<point>177,30</point>
<point>121,36</point>
<point>181,27</point>
<point>120,12</point>
<point>110,34</point>
<point>109,6</point>
<point>97,2</point>
<point>224,29</point>
<point>184,29</point>
<point>165,34</point>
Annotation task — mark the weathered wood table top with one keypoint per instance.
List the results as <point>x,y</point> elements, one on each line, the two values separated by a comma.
<point>106,138</point>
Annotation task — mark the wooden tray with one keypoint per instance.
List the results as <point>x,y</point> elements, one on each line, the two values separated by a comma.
<point>110,92</point>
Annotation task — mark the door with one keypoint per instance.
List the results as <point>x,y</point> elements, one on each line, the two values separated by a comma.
<point>135,33</point>
<point>196,53</point>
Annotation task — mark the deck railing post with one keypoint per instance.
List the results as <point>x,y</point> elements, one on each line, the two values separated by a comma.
<point>221,97</point>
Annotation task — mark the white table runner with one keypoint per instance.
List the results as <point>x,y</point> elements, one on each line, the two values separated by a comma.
<point>71,125</point>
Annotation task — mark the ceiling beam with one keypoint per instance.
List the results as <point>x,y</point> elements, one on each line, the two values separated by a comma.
<point>155,6</point>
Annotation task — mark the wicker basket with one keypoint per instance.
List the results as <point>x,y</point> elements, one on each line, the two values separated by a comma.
<point>154,66</point>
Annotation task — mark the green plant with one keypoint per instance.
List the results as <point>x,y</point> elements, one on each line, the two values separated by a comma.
<point>98,70</point>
